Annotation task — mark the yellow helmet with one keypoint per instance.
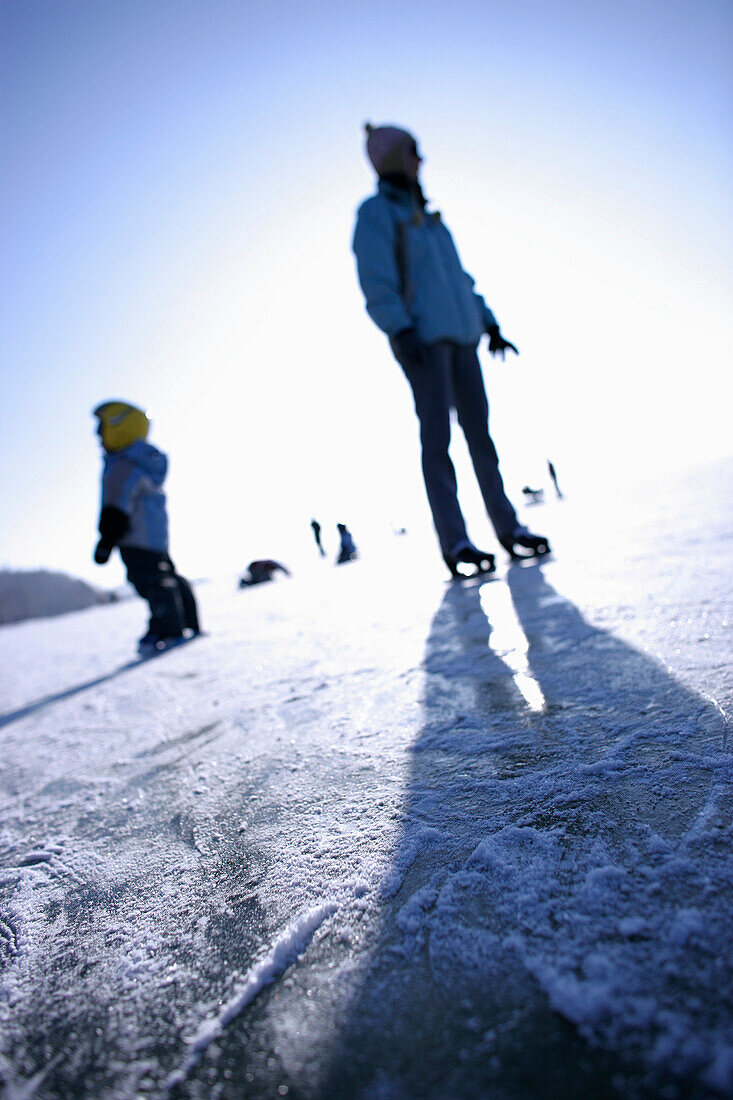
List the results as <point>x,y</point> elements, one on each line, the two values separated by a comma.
<point>121,424</point>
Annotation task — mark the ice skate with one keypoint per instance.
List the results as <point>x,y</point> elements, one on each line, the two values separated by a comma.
<point>467,553</point>
<point>535,545</point>
<point>152,644</point>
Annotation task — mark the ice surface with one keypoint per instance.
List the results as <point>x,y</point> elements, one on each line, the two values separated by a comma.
<point>377,835</point>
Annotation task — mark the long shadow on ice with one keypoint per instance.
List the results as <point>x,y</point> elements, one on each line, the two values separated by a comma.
<point>554,921</point>
<point>69,693</point>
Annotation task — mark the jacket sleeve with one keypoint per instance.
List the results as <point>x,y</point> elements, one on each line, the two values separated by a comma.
<point>487,317</point>
<point>376,261</point>
<point>121,483</point>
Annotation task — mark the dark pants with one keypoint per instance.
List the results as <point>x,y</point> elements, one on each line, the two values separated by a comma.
<point>450,377</point>
<point>172,602</point>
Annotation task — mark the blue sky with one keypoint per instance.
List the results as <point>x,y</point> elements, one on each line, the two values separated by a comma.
<point>179,186</point>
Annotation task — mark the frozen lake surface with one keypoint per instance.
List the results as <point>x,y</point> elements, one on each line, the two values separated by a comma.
<point>384,837</point>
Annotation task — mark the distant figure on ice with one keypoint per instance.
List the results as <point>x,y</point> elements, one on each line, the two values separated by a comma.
<point>418,293</point>
<point>347,549</point>
<point>260,571</point>
<point>135,519</point>
<point>553,478</point>
<point>533,496</point>
<point>317,536</point>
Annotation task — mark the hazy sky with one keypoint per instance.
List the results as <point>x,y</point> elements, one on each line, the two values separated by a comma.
<point>179,186</point>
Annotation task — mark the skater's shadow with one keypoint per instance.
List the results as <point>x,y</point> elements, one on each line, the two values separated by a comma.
<point>536,725</point>
<point>47,700</point>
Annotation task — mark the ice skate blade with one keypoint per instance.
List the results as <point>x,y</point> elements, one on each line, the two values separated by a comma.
<point>529,554</point>
<point>518,550</point>
<point>164,646</point>
<point>479,571</point>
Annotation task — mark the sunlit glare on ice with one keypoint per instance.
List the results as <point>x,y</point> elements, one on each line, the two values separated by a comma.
<point>509,642</point>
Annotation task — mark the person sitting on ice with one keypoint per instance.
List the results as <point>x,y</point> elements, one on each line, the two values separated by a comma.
<point>260,571</point>
<point>418,293</point>
<point>347,549</point>
<point>134,518</point>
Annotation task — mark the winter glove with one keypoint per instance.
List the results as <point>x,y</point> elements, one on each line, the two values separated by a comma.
<point>113,525</point>
<point>407,347</point>
<point>102,552</point>
<point>497,344</point>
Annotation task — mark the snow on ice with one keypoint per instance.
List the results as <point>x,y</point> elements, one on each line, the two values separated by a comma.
<point>377,835</point>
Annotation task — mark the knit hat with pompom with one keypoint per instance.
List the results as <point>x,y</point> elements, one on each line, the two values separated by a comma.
<point>386,147</point>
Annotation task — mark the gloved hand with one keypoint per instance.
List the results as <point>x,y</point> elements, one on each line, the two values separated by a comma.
<point>407,347</point>
<point>102,552</point>
<point>497,344</point>
<point>113,525</point>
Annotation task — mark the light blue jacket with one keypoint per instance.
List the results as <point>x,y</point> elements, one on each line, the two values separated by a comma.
<point>132,481</point>
<point>410,272</point>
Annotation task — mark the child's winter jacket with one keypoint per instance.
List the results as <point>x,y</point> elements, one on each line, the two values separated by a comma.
<point>132,482</point>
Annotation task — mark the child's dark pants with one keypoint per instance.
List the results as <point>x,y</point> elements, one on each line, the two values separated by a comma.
<point>172,602</point>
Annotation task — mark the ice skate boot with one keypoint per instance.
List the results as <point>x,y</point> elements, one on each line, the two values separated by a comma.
<point>152,644</point>
<point>535,545</point>
<point>466,552</point>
